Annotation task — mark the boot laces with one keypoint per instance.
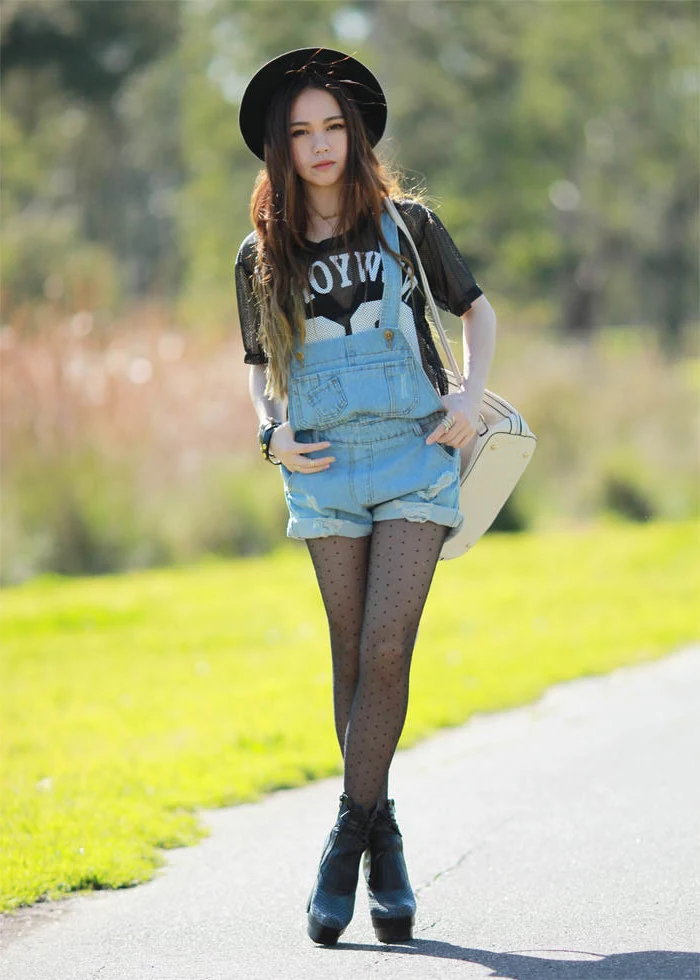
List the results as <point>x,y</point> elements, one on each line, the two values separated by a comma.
<point>354,819</point>
<point>386,817</point>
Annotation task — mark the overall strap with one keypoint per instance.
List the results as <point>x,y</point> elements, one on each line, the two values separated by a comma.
<point>456,379</point>
<point>391,297</point>
<point>393,279</point>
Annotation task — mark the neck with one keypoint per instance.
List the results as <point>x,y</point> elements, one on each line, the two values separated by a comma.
<point>322,202</point>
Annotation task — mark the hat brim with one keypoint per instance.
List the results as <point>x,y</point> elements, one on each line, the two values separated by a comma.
<point>363,88</point>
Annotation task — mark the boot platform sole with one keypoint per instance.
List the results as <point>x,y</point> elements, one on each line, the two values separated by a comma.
<point>323,935</point>
<point>393,930</point>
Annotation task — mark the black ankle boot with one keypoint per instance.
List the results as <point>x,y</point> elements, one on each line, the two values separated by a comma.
<point>332,899</point>
<point>392,903</point>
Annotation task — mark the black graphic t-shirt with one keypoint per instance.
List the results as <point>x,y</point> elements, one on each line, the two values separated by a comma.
<point>344,289</point>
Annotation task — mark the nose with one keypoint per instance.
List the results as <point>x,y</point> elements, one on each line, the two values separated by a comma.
<point>321,144</point>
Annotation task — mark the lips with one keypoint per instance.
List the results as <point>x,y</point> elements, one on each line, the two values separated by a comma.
<point>323,166</point>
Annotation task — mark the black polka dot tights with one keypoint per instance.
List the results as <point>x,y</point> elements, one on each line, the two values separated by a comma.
<point>374,590</point>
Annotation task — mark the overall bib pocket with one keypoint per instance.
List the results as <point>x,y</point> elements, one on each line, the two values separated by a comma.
<point>401,379</point>
<point>316,401</point>
<point>327,400</point>
<point>386,387</point>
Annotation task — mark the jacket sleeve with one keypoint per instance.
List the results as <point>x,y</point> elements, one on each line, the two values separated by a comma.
<point>248,312</point>
<point>450,278</point>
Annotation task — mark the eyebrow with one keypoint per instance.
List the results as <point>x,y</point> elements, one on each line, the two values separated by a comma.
<point>304,123</point>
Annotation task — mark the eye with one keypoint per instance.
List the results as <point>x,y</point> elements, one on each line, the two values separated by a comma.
<point>298,132</point>
<point>338,125</point>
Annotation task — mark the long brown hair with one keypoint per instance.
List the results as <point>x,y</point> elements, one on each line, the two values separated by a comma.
<point>278,213</point>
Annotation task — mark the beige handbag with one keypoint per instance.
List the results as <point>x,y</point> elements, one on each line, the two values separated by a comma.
<point>496,457</point>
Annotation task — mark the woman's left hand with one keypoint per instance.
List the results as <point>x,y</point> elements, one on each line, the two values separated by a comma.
<point>459,408</point>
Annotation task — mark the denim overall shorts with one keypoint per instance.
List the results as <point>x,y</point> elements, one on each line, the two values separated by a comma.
<point>368,395</point>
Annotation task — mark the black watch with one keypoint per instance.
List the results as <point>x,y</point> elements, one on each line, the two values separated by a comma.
<point>264,435</point>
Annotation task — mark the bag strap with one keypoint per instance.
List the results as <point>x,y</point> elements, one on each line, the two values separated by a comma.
<point>432,305</point>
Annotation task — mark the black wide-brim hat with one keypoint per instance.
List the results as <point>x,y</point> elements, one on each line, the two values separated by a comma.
<point>361,85</point>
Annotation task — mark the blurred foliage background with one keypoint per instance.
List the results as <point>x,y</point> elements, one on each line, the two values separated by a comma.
<point>557,140</point>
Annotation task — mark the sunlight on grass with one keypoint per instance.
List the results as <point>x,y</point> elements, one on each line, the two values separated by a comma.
<point>129,701</point>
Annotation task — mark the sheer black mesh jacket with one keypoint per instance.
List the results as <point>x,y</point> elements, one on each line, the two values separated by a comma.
<point>343,294</point>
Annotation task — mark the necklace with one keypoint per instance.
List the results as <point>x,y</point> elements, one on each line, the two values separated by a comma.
<point>324,217</point>
<point>325,226</point>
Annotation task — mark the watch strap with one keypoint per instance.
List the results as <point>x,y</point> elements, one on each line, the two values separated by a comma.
<point>264,436</point>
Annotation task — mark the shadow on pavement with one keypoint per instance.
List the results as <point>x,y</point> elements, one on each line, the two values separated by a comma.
<point>649,965</point>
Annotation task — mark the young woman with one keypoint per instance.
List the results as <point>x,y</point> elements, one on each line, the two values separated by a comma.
<point>351,397</point>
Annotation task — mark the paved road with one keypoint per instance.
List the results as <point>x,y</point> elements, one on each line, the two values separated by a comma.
<point>555,842</point>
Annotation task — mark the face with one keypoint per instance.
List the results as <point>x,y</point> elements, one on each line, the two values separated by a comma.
<point>318,137</point>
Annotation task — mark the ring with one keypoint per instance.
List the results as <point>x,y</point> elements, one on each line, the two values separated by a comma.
<point>448,422</point>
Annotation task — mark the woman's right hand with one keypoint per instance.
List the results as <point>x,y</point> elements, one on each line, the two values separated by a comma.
<point>292,454</point>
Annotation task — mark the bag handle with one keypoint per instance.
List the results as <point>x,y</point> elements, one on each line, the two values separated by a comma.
<point>432,305</point>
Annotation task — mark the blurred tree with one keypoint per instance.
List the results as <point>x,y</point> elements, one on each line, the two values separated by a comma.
<point>562,139</point>
<point>97,126</point>
<point>94,47</point>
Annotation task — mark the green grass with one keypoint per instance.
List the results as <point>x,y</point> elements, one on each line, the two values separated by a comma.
<point>129,701</point>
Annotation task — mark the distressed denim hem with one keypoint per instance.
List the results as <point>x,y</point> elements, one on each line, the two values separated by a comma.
<point>323,527</point>
<point>412,510</point>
